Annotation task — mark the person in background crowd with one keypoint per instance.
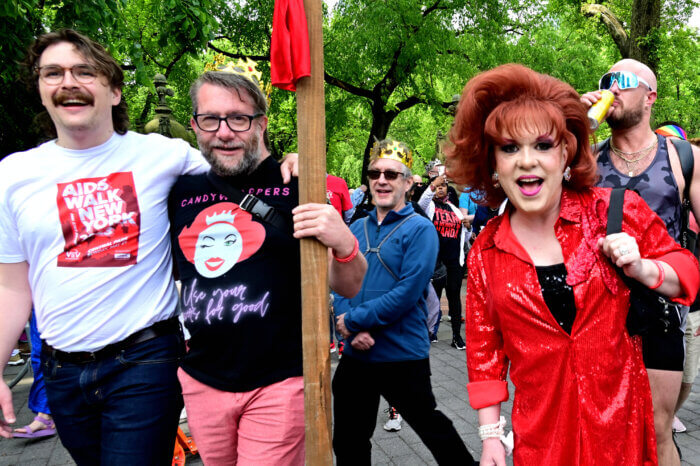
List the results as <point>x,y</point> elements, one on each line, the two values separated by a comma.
<point>339,197</point>
<point>449,223</point>
<point>42,425</point>
<point>671,129</point>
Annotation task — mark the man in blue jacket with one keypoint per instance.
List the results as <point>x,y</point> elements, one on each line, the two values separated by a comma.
<point>386,322</point>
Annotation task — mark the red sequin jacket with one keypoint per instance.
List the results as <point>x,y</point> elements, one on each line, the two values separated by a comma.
<point>582,398</point>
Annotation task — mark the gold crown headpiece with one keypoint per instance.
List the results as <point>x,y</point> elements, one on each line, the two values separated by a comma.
<point>247,68</point>
<point>394,150</point>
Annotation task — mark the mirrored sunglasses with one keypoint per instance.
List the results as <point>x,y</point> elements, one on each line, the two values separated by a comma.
<point>625,80</point>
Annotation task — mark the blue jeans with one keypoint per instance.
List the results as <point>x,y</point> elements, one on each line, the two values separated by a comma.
<point>120,410</point>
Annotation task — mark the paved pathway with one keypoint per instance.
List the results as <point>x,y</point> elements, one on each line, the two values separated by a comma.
<point>402,448</point>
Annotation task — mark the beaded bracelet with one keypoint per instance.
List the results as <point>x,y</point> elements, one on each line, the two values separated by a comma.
<point>662,275</point>
<point>492,430</point>
<point>353,254</point>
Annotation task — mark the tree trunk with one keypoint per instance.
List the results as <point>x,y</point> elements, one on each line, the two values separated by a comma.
<point>642,42</point>
<point>644,32</point>
<point>381,121</point>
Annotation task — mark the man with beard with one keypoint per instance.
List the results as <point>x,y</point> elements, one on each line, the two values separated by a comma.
<point>637,157</point>
<point>238,259</point>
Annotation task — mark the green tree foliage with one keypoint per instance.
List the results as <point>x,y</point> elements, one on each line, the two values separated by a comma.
<point>392,66</point>
<point>145,36</point>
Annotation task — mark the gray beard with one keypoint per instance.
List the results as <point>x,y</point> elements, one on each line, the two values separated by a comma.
<point>248,163</point>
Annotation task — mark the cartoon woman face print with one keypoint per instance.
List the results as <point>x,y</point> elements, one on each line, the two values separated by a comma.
<point>220,237</point>
<point>218,247</point>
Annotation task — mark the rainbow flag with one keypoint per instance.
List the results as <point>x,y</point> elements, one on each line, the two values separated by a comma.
<point>672,131</point>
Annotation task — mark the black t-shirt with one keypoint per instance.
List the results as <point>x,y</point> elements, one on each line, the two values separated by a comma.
<point>241,284</point>
<point>449,229</point>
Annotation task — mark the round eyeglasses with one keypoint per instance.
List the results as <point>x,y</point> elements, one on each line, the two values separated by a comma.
<point>236,123</point>
<point>54,74</point>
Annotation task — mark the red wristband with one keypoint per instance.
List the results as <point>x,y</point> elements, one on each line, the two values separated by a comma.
<point>353,254</point>
<point>662,275</point>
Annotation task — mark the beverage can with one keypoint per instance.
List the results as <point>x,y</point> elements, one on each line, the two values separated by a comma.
<point>598,110</point>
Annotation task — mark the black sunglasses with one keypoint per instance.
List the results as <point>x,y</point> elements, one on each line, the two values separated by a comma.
<point>389,175</point>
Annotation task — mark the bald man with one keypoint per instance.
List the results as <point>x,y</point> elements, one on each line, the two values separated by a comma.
<point>634,154</point>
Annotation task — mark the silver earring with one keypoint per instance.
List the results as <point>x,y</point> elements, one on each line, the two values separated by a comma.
<point>494,178</point>
<point>567,174</point>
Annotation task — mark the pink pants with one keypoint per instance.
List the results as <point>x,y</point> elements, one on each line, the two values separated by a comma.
<point>261,427</point>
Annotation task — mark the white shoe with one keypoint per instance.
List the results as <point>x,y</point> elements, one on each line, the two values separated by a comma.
<point>394,422</point>
<point>678,426</point>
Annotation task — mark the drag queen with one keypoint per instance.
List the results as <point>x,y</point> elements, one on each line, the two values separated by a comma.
<point>543,298</point>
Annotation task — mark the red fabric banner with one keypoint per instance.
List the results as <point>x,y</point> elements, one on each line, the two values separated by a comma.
<point>289,51</point>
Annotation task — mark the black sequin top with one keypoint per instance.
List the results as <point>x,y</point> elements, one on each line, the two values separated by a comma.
<point>557,294</point>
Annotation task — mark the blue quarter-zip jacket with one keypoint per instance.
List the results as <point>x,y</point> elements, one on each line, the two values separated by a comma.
<point>393,311</point>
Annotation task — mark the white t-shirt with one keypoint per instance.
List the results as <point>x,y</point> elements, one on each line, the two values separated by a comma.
<point>93,226</point>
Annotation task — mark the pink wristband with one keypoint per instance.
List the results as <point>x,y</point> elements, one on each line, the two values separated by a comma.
<point>662,275</point>
<point>352,255</point>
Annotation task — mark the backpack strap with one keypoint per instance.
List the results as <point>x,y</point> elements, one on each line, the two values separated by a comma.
<point>377,249</point>
<point>617,198</point>
<point>251,204</point>
<point>685,155</point>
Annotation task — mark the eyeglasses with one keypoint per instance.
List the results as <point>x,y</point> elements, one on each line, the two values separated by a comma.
<point>389,175</point>
<point>54,74</point>
<point>625,80</point>
<point>236,123</point>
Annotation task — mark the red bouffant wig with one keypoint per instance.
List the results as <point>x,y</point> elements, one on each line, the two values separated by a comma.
<point>515,99</point>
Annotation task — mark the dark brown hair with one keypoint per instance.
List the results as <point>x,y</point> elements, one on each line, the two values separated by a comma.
<point>96,55</point>
<point>513,98</point>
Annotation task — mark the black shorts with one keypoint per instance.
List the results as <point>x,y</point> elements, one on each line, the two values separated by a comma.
<point>664,350</point>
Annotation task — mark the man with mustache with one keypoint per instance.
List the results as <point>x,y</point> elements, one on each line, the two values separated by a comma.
<point>242,376</point>
<point>636,156</point>
<point>84,236</point>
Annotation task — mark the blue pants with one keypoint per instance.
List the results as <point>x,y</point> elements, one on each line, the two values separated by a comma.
<point>37,394</point>
<point>119,410</point>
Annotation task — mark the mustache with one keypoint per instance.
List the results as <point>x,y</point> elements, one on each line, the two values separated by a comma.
<point>64,96</point>
<point>228,145</point>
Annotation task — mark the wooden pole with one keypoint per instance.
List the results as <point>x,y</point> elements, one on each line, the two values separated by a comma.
<point>311,121</point>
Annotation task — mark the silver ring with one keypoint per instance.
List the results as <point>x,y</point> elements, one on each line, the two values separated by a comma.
<point>624,251</point>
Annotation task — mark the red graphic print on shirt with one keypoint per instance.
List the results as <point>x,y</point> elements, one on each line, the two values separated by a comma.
<point>220,236</point>
<point>101,221</point>
<point>446,221</point>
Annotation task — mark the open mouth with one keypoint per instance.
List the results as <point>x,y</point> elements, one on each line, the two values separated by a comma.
<point>214,263</point>
<point>74,103</point>
<point>227,150</point>
<point>73,99</point>
<point>380,191</point>
<point>529,185</point>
